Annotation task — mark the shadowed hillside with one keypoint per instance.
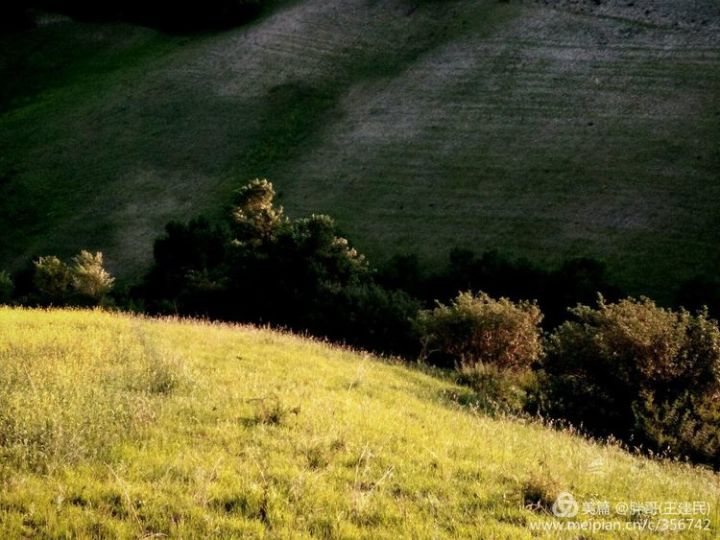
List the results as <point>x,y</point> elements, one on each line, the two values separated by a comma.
<point>544,129</point>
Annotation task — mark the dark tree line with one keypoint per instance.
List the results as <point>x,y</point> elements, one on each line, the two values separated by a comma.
<point>575,281</point>
<point>260,266</point>
<point>265,268</point>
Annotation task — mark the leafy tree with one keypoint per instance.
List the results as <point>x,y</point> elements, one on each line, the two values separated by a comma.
<point>190,273</point>
<point>90,280</point>
<point>576,281</point>
<point>477,329</point>
<point>254,217</point>
<point>282,274</point>
<point>52,280</point>
<point>404,272</point>
<point>55,283</point>
<point>314,246</point>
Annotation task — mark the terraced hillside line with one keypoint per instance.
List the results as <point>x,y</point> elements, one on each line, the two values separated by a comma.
<point>541,130</point>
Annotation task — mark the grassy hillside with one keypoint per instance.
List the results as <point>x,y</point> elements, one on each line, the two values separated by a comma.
<point>115,426</point>
<point>544,129</point>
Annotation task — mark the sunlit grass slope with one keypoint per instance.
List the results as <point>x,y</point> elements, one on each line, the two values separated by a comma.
<point>530,127</point>
<point>112,425</point>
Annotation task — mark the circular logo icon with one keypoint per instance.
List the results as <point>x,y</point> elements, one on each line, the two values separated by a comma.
<point>565,506</point>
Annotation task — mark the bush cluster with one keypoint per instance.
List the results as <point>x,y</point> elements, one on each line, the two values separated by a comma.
<point>648,375</point>
<point>476,329</point>
<point>49,281</point>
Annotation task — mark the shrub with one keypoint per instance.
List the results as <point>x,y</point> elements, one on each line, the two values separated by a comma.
<point>90,280</point>
<point>6,287</point>
<point>480,330</point>
<point>52,280</point>
<point>539,492</point>
<point>640,372</point>
<point>688,426</point>
<point>272,410</point>
<point>56,283</point>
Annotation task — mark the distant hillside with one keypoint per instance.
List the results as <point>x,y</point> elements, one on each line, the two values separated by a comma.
<point>544,129</point>
<point>113,426</point>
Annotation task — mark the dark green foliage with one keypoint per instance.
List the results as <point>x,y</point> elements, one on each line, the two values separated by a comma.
<point>491,273</point>
<point>648,375</point>
<point>700,292</point>
<point>52,280</point>
<point>575,281</point>
<point>369,316</point>
<point>630,369</point>
<point>304,274</point>
<point>287,275</point>
<point>478,330</point>
<point>300,273</point>
<point>405,272</point>
<point>189,274</point>
<point>688,426</point>
<point>23,283</point>
<point>317,256</point>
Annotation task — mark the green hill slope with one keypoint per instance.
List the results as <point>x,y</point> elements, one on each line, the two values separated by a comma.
<point>115,426</point>
<point>544,129</point>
